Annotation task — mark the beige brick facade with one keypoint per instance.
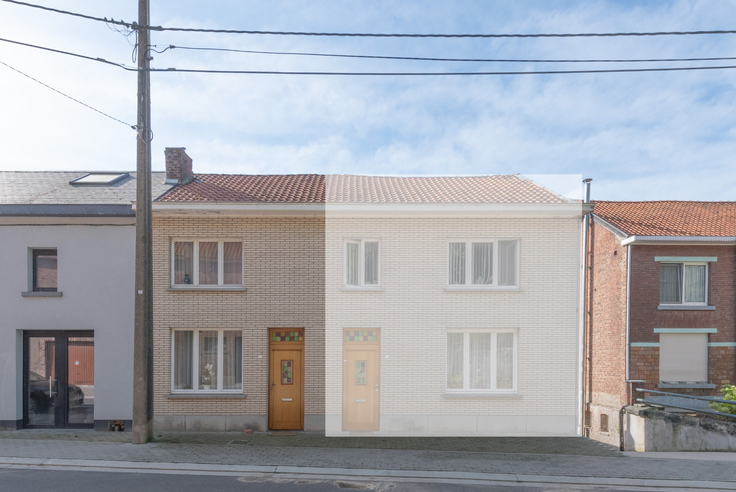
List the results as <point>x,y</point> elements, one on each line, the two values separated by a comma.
<point>283,272</point>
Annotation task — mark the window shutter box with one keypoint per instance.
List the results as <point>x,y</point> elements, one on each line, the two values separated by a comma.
<point>683,357</point>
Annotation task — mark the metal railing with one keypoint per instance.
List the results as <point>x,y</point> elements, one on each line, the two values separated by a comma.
<point>680,395</point>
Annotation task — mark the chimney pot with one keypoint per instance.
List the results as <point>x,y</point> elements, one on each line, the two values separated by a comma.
<point>178,166</point>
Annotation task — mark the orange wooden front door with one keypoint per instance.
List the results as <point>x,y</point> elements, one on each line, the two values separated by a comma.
<point>286,379</point>
<point>361,377</point>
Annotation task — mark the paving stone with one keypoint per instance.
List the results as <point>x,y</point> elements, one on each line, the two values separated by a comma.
<point>506,456</point>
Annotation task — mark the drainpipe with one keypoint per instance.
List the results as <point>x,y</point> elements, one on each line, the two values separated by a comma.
<point>586,356</point>
<point>628,308</point>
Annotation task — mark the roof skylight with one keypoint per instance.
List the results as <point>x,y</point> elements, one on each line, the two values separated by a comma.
<point>99,179</point>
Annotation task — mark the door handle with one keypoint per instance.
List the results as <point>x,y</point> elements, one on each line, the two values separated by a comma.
<point>375,385</point>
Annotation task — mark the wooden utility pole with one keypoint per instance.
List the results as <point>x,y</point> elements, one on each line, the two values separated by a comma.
<point>143,344</point>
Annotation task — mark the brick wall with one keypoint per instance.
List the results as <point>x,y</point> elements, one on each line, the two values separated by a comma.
<point>645,316</point>
<point>645,366</point>
<point>283,272</point>
<point>605,333</point>
<point>414,311</point>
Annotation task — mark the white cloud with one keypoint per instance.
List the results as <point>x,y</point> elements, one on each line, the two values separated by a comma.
<point>640,136</point>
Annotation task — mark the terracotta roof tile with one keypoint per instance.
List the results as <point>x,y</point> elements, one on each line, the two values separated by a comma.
<point>313,188</point>
<point>670,218</point>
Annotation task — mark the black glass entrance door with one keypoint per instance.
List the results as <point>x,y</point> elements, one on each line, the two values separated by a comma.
<point>58,379</point>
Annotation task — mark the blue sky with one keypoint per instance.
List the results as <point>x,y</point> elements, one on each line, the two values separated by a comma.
<point>645,136</point>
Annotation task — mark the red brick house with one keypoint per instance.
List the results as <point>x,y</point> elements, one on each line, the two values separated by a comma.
<point>660,304</point>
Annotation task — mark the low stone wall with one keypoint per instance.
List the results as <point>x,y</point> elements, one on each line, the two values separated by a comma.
<point>646,429</point>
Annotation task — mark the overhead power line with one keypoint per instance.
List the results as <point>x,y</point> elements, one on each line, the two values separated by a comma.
<point>74,14</point>
<point>68,96</point>
<point>276,72</point>
<point>473,60</point>
<point>134,25</point>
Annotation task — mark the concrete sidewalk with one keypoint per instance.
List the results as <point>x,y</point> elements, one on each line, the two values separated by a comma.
<point>240,456</point>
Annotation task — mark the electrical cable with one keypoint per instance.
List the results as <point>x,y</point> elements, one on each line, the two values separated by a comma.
<point>473,60</point>
<point>69,53</point>
<point>68,96</point>
<point>135,25</point>
<point>75,14</point>
<point>399,74</point>
<point>273,72</point>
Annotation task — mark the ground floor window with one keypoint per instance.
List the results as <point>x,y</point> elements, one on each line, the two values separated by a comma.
<point>206,360</point>
<point>481,361</point>
<point>683,357</point>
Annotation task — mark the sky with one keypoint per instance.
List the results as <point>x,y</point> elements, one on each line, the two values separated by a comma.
<point>640,136</point>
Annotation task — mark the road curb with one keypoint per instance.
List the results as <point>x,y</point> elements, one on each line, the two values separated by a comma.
<point>353,473</point>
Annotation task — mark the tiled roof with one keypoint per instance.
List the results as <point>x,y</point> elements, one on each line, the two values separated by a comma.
<point>311,188</point>
<point>669,218</point>
<point>53,188</point>
<point>288,188</point>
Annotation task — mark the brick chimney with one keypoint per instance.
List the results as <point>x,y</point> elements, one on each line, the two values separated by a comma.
<point>178,166</point>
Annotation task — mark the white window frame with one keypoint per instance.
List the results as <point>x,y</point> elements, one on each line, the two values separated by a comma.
<point>195,362</point>
<point>195,263</point>
<point>469,285</point>
<point>362,285</point>
<point>682,289</point>
<point>493,364</point>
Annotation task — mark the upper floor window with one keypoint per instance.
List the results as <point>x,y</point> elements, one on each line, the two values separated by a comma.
<point>44,270</point>
<point>683,283</point>
<point>483,263</point>
<point>207,262</point>
<point>362,263</point>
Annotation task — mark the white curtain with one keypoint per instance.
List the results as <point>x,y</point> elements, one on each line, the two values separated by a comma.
<point>480,361</point>
<point>232,363</point>
<point>694,283</point>
<point>183,353</point>
<point>482,263</point>
<point>233,263</point>
<point>352,263</point>
<point>208,263</point>
<point>504,361</point>
<point>183,262</point>
<point>208,359</point>
<point>371,263</point>
<point>456,262</point>
<point>455,350</point>
<point>670,283</point>
<point>507,263</point>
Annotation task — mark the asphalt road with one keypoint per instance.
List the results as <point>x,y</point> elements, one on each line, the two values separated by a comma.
<point>31,480</point>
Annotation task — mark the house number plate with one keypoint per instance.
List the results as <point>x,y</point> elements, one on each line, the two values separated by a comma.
<point>285,399</point>
<point>359,401</point>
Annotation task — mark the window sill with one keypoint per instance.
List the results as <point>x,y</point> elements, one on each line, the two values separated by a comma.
<point>505,396</point>
<point>362,289</point>
<point>200,288</point>
<point>673,307</point>
<point>41,294</point>
<point>482,289</point>
<point>206,394</point>
<point>687,385</point>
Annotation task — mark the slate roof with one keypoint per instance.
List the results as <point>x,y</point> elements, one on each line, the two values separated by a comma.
<point>314,188</point>
<point>53,188</point>
<point>670,218</point>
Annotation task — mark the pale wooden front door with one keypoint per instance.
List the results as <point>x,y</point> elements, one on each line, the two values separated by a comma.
<point>286,379</point>
<point>361,377</point>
